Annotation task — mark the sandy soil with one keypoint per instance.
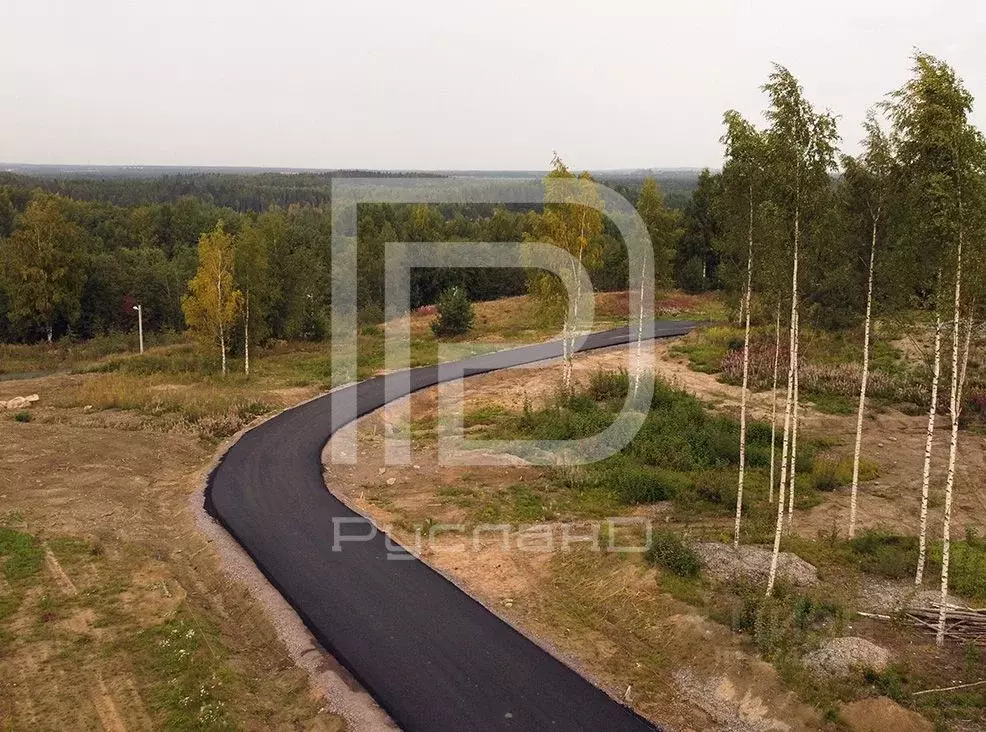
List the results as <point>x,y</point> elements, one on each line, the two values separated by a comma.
<point>67,654</point>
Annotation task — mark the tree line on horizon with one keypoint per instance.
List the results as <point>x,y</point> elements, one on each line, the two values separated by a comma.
<point>73,266</point>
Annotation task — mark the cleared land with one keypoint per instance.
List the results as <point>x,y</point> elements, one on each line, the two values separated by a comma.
<point>689,652</point>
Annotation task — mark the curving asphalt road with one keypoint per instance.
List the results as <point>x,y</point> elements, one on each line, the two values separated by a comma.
<point>435,659</point>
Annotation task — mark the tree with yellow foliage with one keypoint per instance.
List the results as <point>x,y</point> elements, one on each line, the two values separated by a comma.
<point>212,303</point>
<point>575,226</point>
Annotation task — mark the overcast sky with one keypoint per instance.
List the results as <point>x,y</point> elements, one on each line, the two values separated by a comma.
<point>443,84</point>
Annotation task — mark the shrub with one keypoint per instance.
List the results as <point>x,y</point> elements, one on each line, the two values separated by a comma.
<point>605,385</point>
<point>888,555</point>
<point>827,475</point>
<point>667,550</point>
<point>369,319</point>
<point>22,416</point>
<point>370,314</point>
<point>691,277</point>
<point>717,487</point>
<point>455,314</point>
<point>640,484</point>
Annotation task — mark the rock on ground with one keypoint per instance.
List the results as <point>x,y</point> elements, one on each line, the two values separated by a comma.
<point>840,655</point>
<point>724,562</point>
<point>881,714</point>
<point>19,402</point>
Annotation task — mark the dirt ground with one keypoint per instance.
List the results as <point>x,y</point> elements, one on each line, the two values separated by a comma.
<point>599,611</point>
<point>106,492</point>
<point>86,644</point>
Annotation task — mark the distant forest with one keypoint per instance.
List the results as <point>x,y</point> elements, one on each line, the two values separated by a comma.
<point>79,248</point>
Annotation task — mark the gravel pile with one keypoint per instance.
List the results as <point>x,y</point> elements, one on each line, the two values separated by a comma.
<point>724,562</point>
<point>841,655</point>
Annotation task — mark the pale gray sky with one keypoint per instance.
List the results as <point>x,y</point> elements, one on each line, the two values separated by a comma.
<point>444,83</point>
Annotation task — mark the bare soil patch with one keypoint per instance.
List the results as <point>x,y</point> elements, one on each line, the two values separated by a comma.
<point>120,562</point>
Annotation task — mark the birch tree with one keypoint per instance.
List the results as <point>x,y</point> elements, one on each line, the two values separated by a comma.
<point>801,150</point>
<point>742,183</point>
<point>212,303</point>
<point>42,267</point>
<point>970,162</point>
<point>939,155</point>
<point>795,418</point>
<point>773,399</point>
<point>253,280</point>
<point>665,231</point>
<point>867,183</point>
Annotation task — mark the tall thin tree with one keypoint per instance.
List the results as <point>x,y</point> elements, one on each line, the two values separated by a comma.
<point>867,183</point>
<point>742,179</point>
<point>801,146</point>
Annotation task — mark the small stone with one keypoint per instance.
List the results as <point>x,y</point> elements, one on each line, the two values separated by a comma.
<point>391,481</point>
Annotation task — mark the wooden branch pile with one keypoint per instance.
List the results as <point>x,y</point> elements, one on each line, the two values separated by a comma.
<point>962,624</point>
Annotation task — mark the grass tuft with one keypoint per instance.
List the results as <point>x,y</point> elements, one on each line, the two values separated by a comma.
<point>668,551</point>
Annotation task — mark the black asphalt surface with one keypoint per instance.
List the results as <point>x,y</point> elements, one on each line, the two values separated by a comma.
<point>435,659</point>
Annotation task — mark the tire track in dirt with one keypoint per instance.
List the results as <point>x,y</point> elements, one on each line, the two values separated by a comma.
<point>109,715</point>
<point>64,582</point>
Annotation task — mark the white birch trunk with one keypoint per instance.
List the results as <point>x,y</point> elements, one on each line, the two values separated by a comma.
<point>219,314</point>
<point>772,578</point>
<point>773,410</point>
<point>965,354</point>
<point>928,444</point>
<point>795,419</point>
<point>640,330</point>
<point>853,496</point>
<point>746,381</point>
<point>570,334</point>
<point>246,334</point>
<point>953,446</point>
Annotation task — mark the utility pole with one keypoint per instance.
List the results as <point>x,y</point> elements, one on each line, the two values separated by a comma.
<point>140,325</point>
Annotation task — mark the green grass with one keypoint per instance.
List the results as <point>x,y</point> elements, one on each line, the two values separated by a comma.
<point>834,403</point>
<point>668,551</point>
<point>683,452</point>
<point>707,347</point>
<point>187,669</point>
<point>22,555</point>
<point>68,354</point>
<point>22,416</point>
<point>525,503</point>
<point>895,556</point>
